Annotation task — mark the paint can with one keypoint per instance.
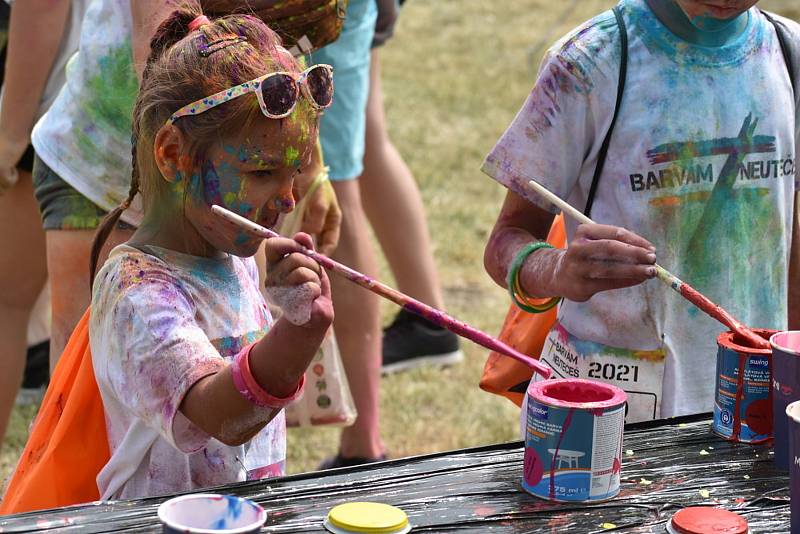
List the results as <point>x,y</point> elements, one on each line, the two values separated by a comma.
<point>375,517</point>
<point>743,396</point>
<point>793,419</point>
<point>573,440</point>
<point>785,389</point>
<point>207,512</point>
<point>707,520</point>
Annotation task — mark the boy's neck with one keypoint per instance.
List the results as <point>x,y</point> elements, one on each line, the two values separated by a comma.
<point>706,32</point>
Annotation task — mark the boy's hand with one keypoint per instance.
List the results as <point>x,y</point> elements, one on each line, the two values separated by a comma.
<point>599,258</point>
<point>297,283</point>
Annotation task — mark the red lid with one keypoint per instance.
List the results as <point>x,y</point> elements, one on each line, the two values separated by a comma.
<point>708,520</point>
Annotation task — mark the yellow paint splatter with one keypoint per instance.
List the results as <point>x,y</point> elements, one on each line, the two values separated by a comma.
<point>628,452</point>
<point>608,526</point>
<point>645,482</point>
<point>704,452</point>
<point>704,493</point>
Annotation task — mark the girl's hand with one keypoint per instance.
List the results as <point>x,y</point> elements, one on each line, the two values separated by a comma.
<point>297,283</point>
<point>599,258</point>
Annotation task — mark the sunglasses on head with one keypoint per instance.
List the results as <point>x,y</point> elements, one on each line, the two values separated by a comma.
<point>277,93</point>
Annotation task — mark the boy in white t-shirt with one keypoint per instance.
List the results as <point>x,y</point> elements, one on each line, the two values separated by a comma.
<point>700,165</point>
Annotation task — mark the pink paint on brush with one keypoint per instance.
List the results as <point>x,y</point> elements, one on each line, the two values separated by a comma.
<point>414,306</point>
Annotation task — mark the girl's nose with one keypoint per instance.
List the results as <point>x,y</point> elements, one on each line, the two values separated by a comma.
<point>284,202</point>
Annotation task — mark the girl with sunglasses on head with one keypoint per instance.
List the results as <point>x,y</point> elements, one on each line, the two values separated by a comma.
<point>191,369</point>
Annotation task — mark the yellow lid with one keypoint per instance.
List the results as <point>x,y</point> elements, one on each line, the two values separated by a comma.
<point>370,517</point>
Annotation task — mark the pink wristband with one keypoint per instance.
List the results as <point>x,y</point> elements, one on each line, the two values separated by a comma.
<point>246,384</point>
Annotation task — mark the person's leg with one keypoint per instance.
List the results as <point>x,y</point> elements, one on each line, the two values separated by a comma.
<point>68,254</point>
<point>24,272</point>
<point>69,220</point>
<point>357,326</point>
<point>393,205</point>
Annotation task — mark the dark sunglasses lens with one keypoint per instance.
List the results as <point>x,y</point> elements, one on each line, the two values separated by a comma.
<point>280,93</point>
<point>320,85</point>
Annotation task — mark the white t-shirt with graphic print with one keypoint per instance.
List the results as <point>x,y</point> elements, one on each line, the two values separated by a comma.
<point>160,322</point>
<point>702,163</point>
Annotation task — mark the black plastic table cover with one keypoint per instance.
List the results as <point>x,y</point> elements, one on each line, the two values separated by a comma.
<point>666,465</point>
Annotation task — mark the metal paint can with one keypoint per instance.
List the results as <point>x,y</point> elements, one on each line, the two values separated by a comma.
<point>207,512</point>
<point>743,393</point>
<point>573,440</point>
<point>785,389</point>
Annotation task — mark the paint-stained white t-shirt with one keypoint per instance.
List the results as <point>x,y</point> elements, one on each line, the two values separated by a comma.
<point>702,163</point>
<point>160,322</point>
<point>85,137</point>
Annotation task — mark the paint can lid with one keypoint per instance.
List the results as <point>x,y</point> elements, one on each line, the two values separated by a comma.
<point>371,517</point>
<point>707,520</point>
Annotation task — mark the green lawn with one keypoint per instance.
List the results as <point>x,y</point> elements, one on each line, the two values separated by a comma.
<point>454,76</point>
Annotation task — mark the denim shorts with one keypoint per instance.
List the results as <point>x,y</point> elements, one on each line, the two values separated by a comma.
<point>62,207</point>
<point>343,125</point>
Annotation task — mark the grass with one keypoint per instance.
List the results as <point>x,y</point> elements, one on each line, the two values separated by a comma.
<point>454,76</point>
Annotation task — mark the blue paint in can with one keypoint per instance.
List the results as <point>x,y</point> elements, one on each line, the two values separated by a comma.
<point>743,396</point>
<point>573,443</point>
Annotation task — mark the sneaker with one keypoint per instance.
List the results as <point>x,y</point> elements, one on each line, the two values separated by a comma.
<point>412,341</point>
<point>36,375</point>
<point>340,461</point>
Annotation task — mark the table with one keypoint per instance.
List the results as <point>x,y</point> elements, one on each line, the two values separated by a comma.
<point>666,465</point>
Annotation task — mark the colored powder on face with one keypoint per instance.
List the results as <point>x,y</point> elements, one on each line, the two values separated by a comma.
<point>292,156</point>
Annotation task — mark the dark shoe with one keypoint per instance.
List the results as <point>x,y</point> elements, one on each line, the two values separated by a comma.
<point>36,375</point>
<point>412,341</point>
<point>339,461</point>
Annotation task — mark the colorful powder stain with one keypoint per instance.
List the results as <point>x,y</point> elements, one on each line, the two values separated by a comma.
<point>733,215</point>
<point>110,99</point>
<point>569,68</point>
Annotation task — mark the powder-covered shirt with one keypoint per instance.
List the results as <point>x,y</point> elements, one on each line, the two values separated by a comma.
<point>85,137</point>
<point>161,321</point>
<point>702,162</point>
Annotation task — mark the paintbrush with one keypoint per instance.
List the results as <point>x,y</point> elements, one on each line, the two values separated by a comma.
<point>685,290</point>
<point>408,303</point>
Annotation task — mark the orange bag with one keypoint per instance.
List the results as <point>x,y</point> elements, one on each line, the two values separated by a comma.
<point>68,444</point>
<point>525,332</point>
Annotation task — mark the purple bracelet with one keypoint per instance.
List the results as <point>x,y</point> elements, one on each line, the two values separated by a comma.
<point>248,387</point>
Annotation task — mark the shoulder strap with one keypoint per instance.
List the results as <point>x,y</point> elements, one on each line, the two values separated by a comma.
<point>789,49</point>
<point>623,70</point>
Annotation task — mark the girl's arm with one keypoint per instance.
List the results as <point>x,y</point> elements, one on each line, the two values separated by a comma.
<point>277,362</point>
<point>599,257</point>
<point>35,31</point>
<point>794,271</point>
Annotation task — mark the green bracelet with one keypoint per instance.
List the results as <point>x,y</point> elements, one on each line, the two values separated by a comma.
<point>518,296</point>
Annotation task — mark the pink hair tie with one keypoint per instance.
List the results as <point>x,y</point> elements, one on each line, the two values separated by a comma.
<point>200,20</point>
<point>249,388</point>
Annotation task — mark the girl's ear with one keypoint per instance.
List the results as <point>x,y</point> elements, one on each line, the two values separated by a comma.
<point>169,151</point>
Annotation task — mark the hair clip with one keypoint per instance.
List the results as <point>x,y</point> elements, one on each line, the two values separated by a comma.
<point>206,49</point>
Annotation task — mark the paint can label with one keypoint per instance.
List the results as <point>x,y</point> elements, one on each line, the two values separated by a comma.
<point>743,405</point>
<point>573,454</point>
<point>639,373</point>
